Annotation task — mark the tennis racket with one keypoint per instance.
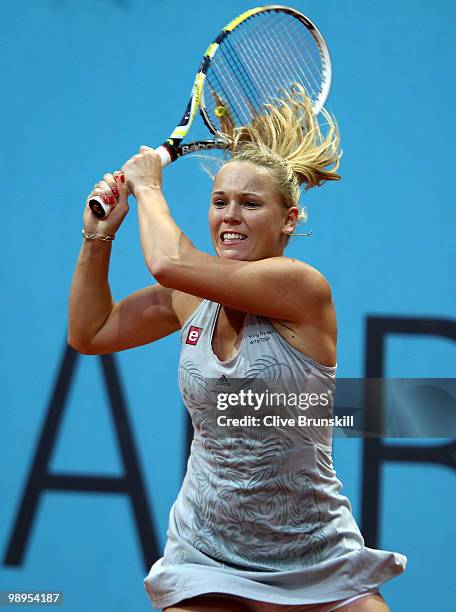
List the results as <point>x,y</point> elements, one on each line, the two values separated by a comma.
<point>258,54</point>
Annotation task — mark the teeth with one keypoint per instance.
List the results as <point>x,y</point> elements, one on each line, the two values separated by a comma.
<point>233,236</point>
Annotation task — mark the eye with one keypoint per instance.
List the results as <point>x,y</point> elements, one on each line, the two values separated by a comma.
<point>251,204</point>
<point>218,203</point>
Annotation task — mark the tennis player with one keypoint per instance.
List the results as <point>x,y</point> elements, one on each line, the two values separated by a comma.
<point>260,523</point>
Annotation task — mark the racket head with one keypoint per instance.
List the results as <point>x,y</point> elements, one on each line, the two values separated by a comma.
<point>256,56</point>
<point>260,53</point>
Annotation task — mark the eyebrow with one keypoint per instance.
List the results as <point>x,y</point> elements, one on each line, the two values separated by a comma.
<point>246,193</point>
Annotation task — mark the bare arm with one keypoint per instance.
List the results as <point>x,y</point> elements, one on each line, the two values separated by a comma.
<point>276,287</point>
<point>99,326</point>
<point>142,317</point>
<point>90,296</point>
<point>96,324</point>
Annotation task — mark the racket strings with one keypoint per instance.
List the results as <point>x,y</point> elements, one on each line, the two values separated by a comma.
<point>264,49</point>
<point>288,49</point>
<point>311,55</point>
<point>226,85</point>
<point>220,96</point>
<point>234,82</point>
<point>300,49</point>
<point>262,76</point>
<point>262,57</point>
<point>235,62</point>
<point>273,50</point>
<point>220,102</point>
<point>281,46</point>
<point>261,51</point>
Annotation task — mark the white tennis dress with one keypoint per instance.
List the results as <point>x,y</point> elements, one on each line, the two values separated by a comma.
<point>260,513</point>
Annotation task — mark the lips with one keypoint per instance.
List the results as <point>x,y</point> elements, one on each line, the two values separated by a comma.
<point>227,237</point>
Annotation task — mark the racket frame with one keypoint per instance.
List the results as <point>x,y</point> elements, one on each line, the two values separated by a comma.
<point>172,148</point>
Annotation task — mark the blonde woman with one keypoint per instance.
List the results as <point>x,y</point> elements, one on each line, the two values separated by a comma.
<point>260,523</point>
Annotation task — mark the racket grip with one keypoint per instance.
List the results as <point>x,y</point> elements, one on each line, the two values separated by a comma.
<point>164,154</point>
<point>102,210</point>
<point>99,209</point>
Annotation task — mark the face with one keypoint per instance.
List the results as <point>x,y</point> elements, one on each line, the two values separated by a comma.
<point>247,218</point>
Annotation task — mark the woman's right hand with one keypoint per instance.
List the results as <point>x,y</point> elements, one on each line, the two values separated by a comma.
<point>113,190</point>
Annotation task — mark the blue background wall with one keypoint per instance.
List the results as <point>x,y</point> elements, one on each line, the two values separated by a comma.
<point>84,85</point>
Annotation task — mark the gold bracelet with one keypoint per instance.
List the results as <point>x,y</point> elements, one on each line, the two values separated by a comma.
<point>88,236</point>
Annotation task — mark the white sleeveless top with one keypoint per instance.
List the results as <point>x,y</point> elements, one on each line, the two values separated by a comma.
<point>260,513</point>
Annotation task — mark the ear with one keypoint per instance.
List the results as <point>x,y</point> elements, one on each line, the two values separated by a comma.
<point>290,220</point>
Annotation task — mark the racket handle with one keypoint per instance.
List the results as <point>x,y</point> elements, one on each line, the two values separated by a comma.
<point>102,210</point>
<point>99,209</point>
<point>164,154</point>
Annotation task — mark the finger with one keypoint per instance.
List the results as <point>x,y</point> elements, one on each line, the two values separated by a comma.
<point>111,182</point>
<point>96,191</point>
<point>108,178</point>
<point>104,191</point>
<point>119,178</point>
<point>99,188</point>
<point>124,173</point>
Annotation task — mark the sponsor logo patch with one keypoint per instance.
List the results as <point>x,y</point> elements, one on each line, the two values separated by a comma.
<point>193,335</point>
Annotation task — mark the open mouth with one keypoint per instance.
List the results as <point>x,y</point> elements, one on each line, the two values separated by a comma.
<point>232,237</point>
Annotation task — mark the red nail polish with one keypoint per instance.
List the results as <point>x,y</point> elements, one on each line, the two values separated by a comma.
<point>112,200</point>
<point>115,192</point>
<point>122,178</point>
<point>116,177</point>
<point>105,199</point>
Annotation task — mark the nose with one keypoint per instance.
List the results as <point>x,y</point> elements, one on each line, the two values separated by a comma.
<point>232,213</point>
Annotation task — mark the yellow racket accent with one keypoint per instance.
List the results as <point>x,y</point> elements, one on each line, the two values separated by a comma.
<point>242,18</point>
<point>179,133</point>
<point>220,111</point>
<point>210,51</point>
<point>198,88</point>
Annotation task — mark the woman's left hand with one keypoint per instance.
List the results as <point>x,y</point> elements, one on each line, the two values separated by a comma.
<point>143,170</point>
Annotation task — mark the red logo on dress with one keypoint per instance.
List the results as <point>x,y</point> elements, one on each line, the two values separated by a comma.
<point>193,335</point>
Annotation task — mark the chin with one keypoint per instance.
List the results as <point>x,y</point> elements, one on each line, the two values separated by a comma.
<point>234,253</point>
<point>238,256</point>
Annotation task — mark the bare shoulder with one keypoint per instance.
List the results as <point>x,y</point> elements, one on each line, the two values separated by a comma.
<point>309,279</point>
<point>184,304</point>
<point>314,331</point>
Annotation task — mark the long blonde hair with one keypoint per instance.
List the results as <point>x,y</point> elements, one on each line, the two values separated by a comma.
<point>286,138</point>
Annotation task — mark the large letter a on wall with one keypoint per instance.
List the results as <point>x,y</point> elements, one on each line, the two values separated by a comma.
<point>40,479</point>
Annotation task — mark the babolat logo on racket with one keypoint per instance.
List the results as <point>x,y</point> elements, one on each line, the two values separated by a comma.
<point>193,335</point>
<point>197,146</point>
